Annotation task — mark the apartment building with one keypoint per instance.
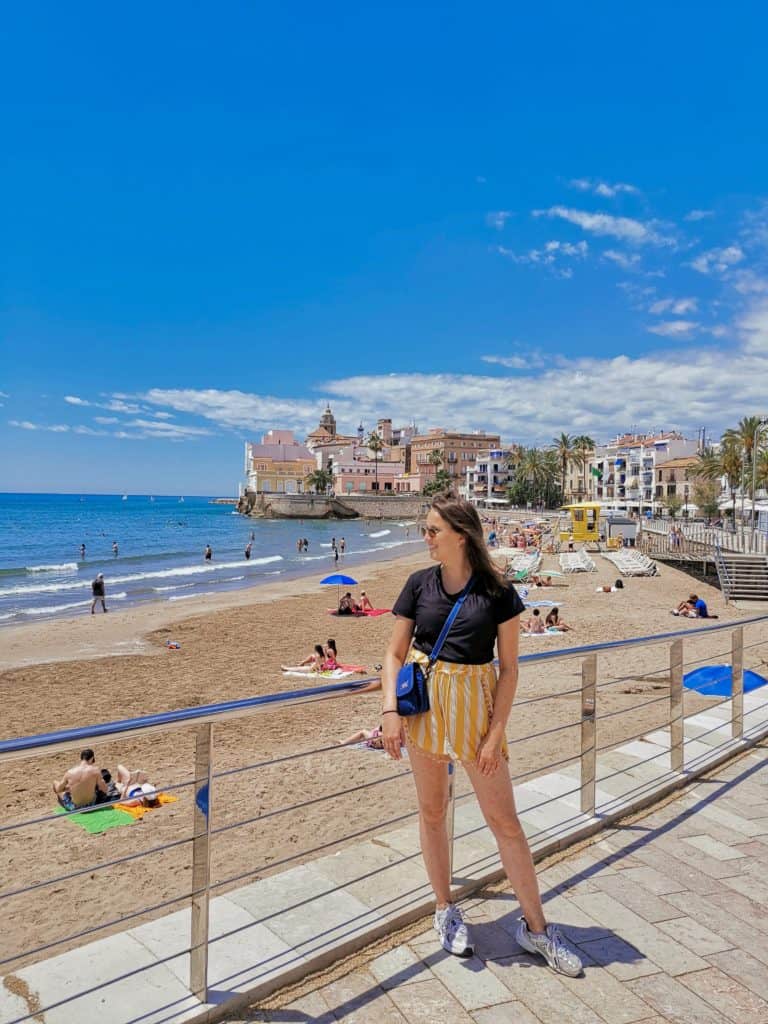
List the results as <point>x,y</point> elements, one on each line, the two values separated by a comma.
<point>675,478</point>
<point>622,474</point>
<point>278,465</point>
<point>488,477</point>
<point>454,452</point>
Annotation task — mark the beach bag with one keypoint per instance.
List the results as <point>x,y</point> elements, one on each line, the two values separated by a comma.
<point>411,687</point>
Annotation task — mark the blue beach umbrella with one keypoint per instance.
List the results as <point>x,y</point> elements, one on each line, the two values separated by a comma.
<point>339,578</point>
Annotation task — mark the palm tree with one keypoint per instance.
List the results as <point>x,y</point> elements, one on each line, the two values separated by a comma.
<point>375,445</point>
<point>583,446</point>
<point>563,448</point>
<point>745,438</point>
<point>726,463</point>
<point>320,480</point>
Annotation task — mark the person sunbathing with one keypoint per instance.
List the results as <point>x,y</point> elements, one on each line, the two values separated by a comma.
<point>347,606</point>
<point>365,602</point>
<point>372,738</point>
<point>554,621</point>
<point>314,663</point>
<point>535,624</point>
<point>611,589</point>
<point>135,788</point>
<point>84,785</point>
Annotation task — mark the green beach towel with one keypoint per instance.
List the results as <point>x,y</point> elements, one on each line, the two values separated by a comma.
<point>100,820</point>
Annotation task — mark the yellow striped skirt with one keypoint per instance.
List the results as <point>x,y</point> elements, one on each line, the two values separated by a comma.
<point>460,708</point>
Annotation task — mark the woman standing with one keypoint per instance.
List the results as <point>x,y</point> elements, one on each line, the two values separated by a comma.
<point>467,717</point>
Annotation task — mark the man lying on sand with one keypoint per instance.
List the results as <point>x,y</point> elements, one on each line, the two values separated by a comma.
<point>84,785</point>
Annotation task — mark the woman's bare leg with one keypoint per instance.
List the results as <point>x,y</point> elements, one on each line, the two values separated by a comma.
<point>497,802</point>
<point>431,779</point>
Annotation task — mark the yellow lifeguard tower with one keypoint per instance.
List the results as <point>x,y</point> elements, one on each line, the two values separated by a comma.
<point>585,521</point>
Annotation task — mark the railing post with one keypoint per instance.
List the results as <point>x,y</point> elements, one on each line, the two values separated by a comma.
<point>676,718</point>
<point>201,863</point>
<point>451,814</point>
<point>588,745</point>
<point>737,683</point>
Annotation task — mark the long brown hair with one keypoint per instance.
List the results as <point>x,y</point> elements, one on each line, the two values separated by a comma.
<point>462,517</point>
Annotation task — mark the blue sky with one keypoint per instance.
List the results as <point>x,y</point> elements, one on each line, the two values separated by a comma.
<point>470,215</point>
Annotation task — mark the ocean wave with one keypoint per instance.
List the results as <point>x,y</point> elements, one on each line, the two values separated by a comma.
<point>54,609</point>
<point>178,586</point>
<point>184,597</point>
<point>63,567</point>
<point>182,570</point>
<point>380,533</point>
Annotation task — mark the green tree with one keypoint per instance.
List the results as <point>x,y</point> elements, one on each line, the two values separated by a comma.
<point>583,446</point>
<point>746,439</point>
<point>441,484</point>
<point>705,494</point>
<point>726,463</point>
<point>375,445</point>
<point>564,450</point>
<point>319,480</point>
<point>673,504</point>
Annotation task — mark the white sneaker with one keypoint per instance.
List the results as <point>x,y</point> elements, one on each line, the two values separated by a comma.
<point>552,945</point>
<point>449,925</point>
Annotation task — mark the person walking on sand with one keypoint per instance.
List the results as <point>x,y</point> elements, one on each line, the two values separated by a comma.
<point>208,554</point>
<point>467,717</point>
<point>99,593</point>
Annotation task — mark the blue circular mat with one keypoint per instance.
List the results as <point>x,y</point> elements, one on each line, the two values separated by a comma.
<point>716,680</point>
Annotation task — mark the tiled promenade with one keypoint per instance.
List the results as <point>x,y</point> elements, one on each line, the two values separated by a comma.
<point>670,913</point>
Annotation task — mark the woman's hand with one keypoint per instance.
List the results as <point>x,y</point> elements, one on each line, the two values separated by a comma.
<point>489,754</point>
<point>393,735</point>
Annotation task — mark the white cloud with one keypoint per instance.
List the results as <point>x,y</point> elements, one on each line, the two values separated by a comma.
<point>163,415</point>
<point>627,261</point>
<point>695,215</point>
<point>674,328</point>
<point>172,431</point>
<point>626,228</point>
<point>237,409</point>
<point>747,282</point>
<point>529,361</point>
<point>603,188</point>
<point>717,261</point>
<point>677,306</point>
<point>106,419</point>
<point>550,255</point>
<point>74,400</point>
<point>56,428</point>
<point>498,218</point>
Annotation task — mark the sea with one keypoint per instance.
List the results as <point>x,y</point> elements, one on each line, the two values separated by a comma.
<point>161,540</point>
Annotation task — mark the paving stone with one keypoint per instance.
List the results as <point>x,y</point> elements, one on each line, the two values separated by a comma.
<point>429,1002</point>
<point>695,936</point>
<point>620,958</point>
<point>311,1007</point>
<point>682,871</point>
<point>729,819</point>
<point>745,969</point>
<point>470,981</point>
<point>721,922</point>
<point>750,885</point>
<point>697,858</point>
<point>731,998</point>
<point>605,994</point>
<point>749,914</point>
<point>535,985</point>
<point>357,999</point>
<point>650,907</point>
<point>673,1001</point>
<point>398,966</point>
<point>756,851</point>
<point>713,848</point>
<point>653,881</point>
<point>672,957</point>
<point>505,1013</point>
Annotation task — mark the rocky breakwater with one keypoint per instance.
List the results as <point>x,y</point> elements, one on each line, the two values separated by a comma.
<point>317,506</point>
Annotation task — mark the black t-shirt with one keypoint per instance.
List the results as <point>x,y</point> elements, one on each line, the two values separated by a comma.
<point>473,634</point>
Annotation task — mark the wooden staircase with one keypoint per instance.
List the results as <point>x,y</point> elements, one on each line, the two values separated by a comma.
<point>742,577</point>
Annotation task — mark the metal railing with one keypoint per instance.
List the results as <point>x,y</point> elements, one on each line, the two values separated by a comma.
<point>203,719</point>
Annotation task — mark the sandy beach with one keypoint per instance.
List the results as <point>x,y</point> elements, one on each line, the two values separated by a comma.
<point>94,669</point>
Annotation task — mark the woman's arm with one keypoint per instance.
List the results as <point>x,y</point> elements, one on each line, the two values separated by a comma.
<point>508,644</point>
<point>394,659</point>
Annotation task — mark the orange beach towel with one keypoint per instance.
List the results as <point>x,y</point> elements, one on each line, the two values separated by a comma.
<point>140,810</point>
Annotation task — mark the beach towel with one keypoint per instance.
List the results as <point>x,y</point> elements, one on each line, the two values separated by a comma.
<point>337,673</point>
<point>99,820</point>
<point>353,668</point>
<point>550,632</point>
<point>716,680</point>
<point>138,812</point>
<point>544,604</point>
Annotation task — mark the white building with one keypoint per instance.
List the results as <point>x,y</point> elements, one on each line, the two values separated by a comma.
<point>622,474</point>
<point>488,477</point>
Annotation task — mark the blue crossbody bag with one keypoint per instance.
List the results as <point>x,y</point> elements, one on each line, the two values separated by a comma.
<point>411,689</point>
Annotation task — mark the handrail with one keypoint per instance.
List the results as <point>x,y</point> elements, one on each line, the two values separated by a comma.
<point>208,713</point>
